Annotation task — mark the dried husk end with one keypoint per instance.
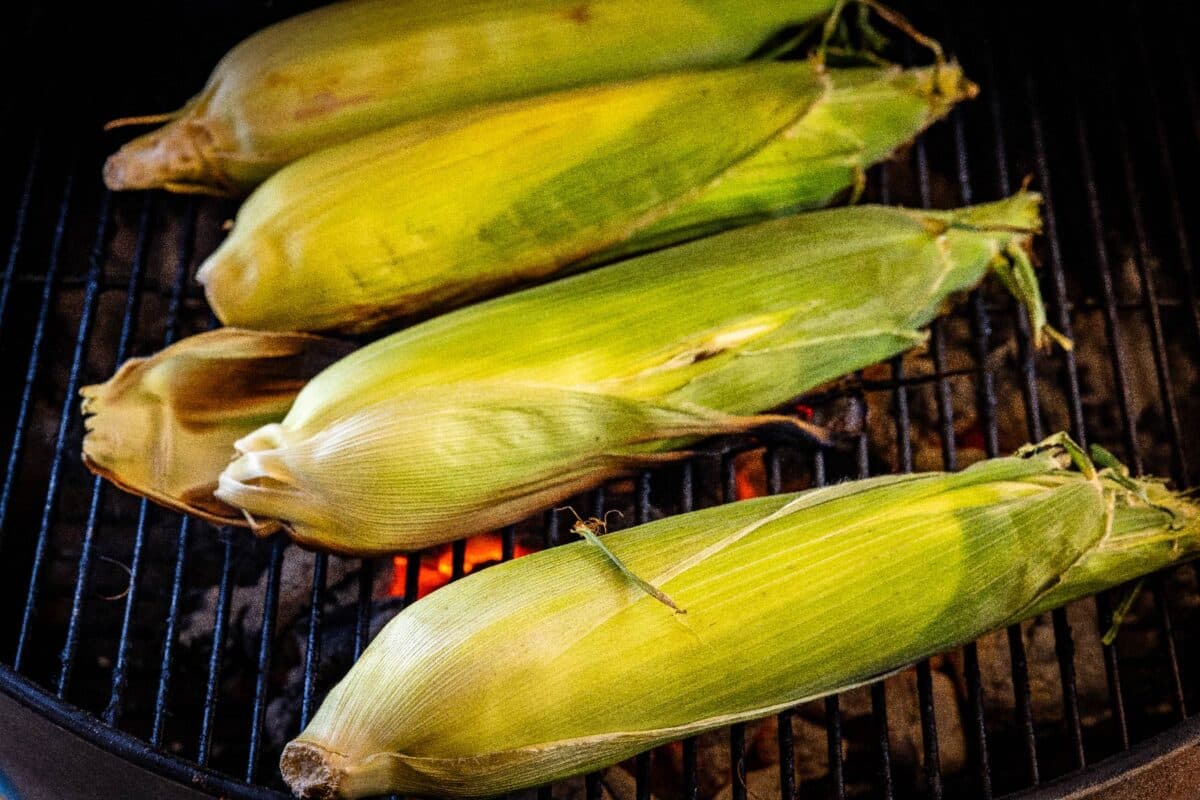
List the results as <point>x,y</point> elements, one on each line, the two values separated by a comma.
<point>313,772</point>
<point>164,427</point>
<point>178,157</point>
<point>125,443</point>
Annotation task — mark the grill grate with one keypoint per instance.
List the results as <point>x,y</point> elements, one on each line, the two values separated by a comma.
<point>102,591</point>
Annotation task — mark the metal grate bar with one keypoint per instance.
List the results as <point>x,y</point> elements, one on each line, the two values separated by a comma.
<point>186,243</point>
<point>737,761</point>
<point>642,761</point>
<point>592,780</point>
<point>1150,301</point>
<point>70,404</point>
<point>1023,699</point>
<point>1064,648</point>
<point>878,697</point>
<point>833,744</point>
<point>691,781</point>
<point>120,678</point>
<point>458,559</point>
<point>883,747</point>
<point>220,628</point>
<point>1112,670</point>
<point>592,788</point>
<point>168,651</point>
<point>985,402</point>
<point>1059,285</point>
<point>412,577</point>
<point>1116,339</point>
<point>366,586</point>
<point>1167,172</point>
<point>977,740</point>
<point>787,754</point>
<point>1164,621</point>
<point>266,638</point>
<point>31,371</point>
<point>18,238</point>
<point>690,776</point>
<point>1064,645</point>
<point>1120,372</point>
<point>1022,695</point>
<point>729,491</point>
<point>641,766</point>
<point>14,457</point>
<point>643,498</point>
<point>929,735</point>
<point>785,740</point>
<point>312,655</point>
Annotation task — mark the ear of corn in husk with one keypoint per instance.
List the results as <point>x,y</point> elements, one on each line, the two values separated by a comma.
<point>431,215</point>
<point>164,427</point>
<point>475,419</point>
<point>339,72</point>
<point>554,664</point>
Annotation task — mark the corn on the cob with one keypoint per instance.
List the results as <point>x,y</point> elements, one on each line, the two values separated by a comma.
<point>427,216</point>
<point>478,418</point>
<point>164,427</point>
<point>333,74</point>
<point>553,665</point>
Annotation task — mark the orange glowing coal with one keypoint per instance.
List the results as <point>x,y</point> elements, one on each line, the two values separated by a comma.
<point>750,477</point>
<point>437,565</point>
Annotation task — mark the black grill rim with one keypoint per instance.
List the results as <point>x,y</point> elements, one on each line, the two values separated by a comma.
<point>1144,754</point>
<point>90,728</point>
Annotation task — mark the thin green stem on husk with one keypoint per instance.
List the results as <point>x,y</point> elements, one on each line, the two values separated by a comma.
<point>591,529</point>
<point>1121,611</point>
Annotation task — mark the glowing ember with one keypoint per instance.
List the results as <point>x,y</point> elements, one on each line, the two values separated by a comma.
<point>749,475</point>
<point>437,565</point>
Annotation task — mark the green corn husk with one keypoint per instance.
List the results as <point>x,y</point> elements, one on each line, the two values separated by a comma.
<point>431,215</point>
<point>331,75</point>
<point>554,664</point>
<point>476,419</point>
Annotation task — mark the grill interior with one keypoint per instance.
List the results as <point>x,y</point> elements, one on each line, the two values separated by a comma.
<point>215,647</point>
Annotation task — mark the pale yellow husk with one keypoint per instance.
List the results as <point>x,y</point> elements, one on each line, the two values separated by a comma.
<point>424,217</point>
<point>556,664</point>
<point>478,418</point>
<point>336,73</point>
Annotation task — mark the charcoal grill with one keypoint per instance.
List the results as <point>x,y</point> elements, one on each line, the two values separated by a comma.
<point>185,654</point>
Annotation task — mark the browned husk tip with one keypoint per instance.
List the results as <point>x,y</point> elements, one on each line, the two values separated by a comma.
<point>176,157</point>
<point>311,771</point>
<point>164,427</point>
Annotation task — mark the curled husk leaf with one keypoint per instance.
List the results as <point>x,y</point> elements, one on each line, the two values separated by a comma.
<point>336,73</point>
<point>555,664</point>
<point>475,419</point>
<point>164,427</point>
<point>431,215</point>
